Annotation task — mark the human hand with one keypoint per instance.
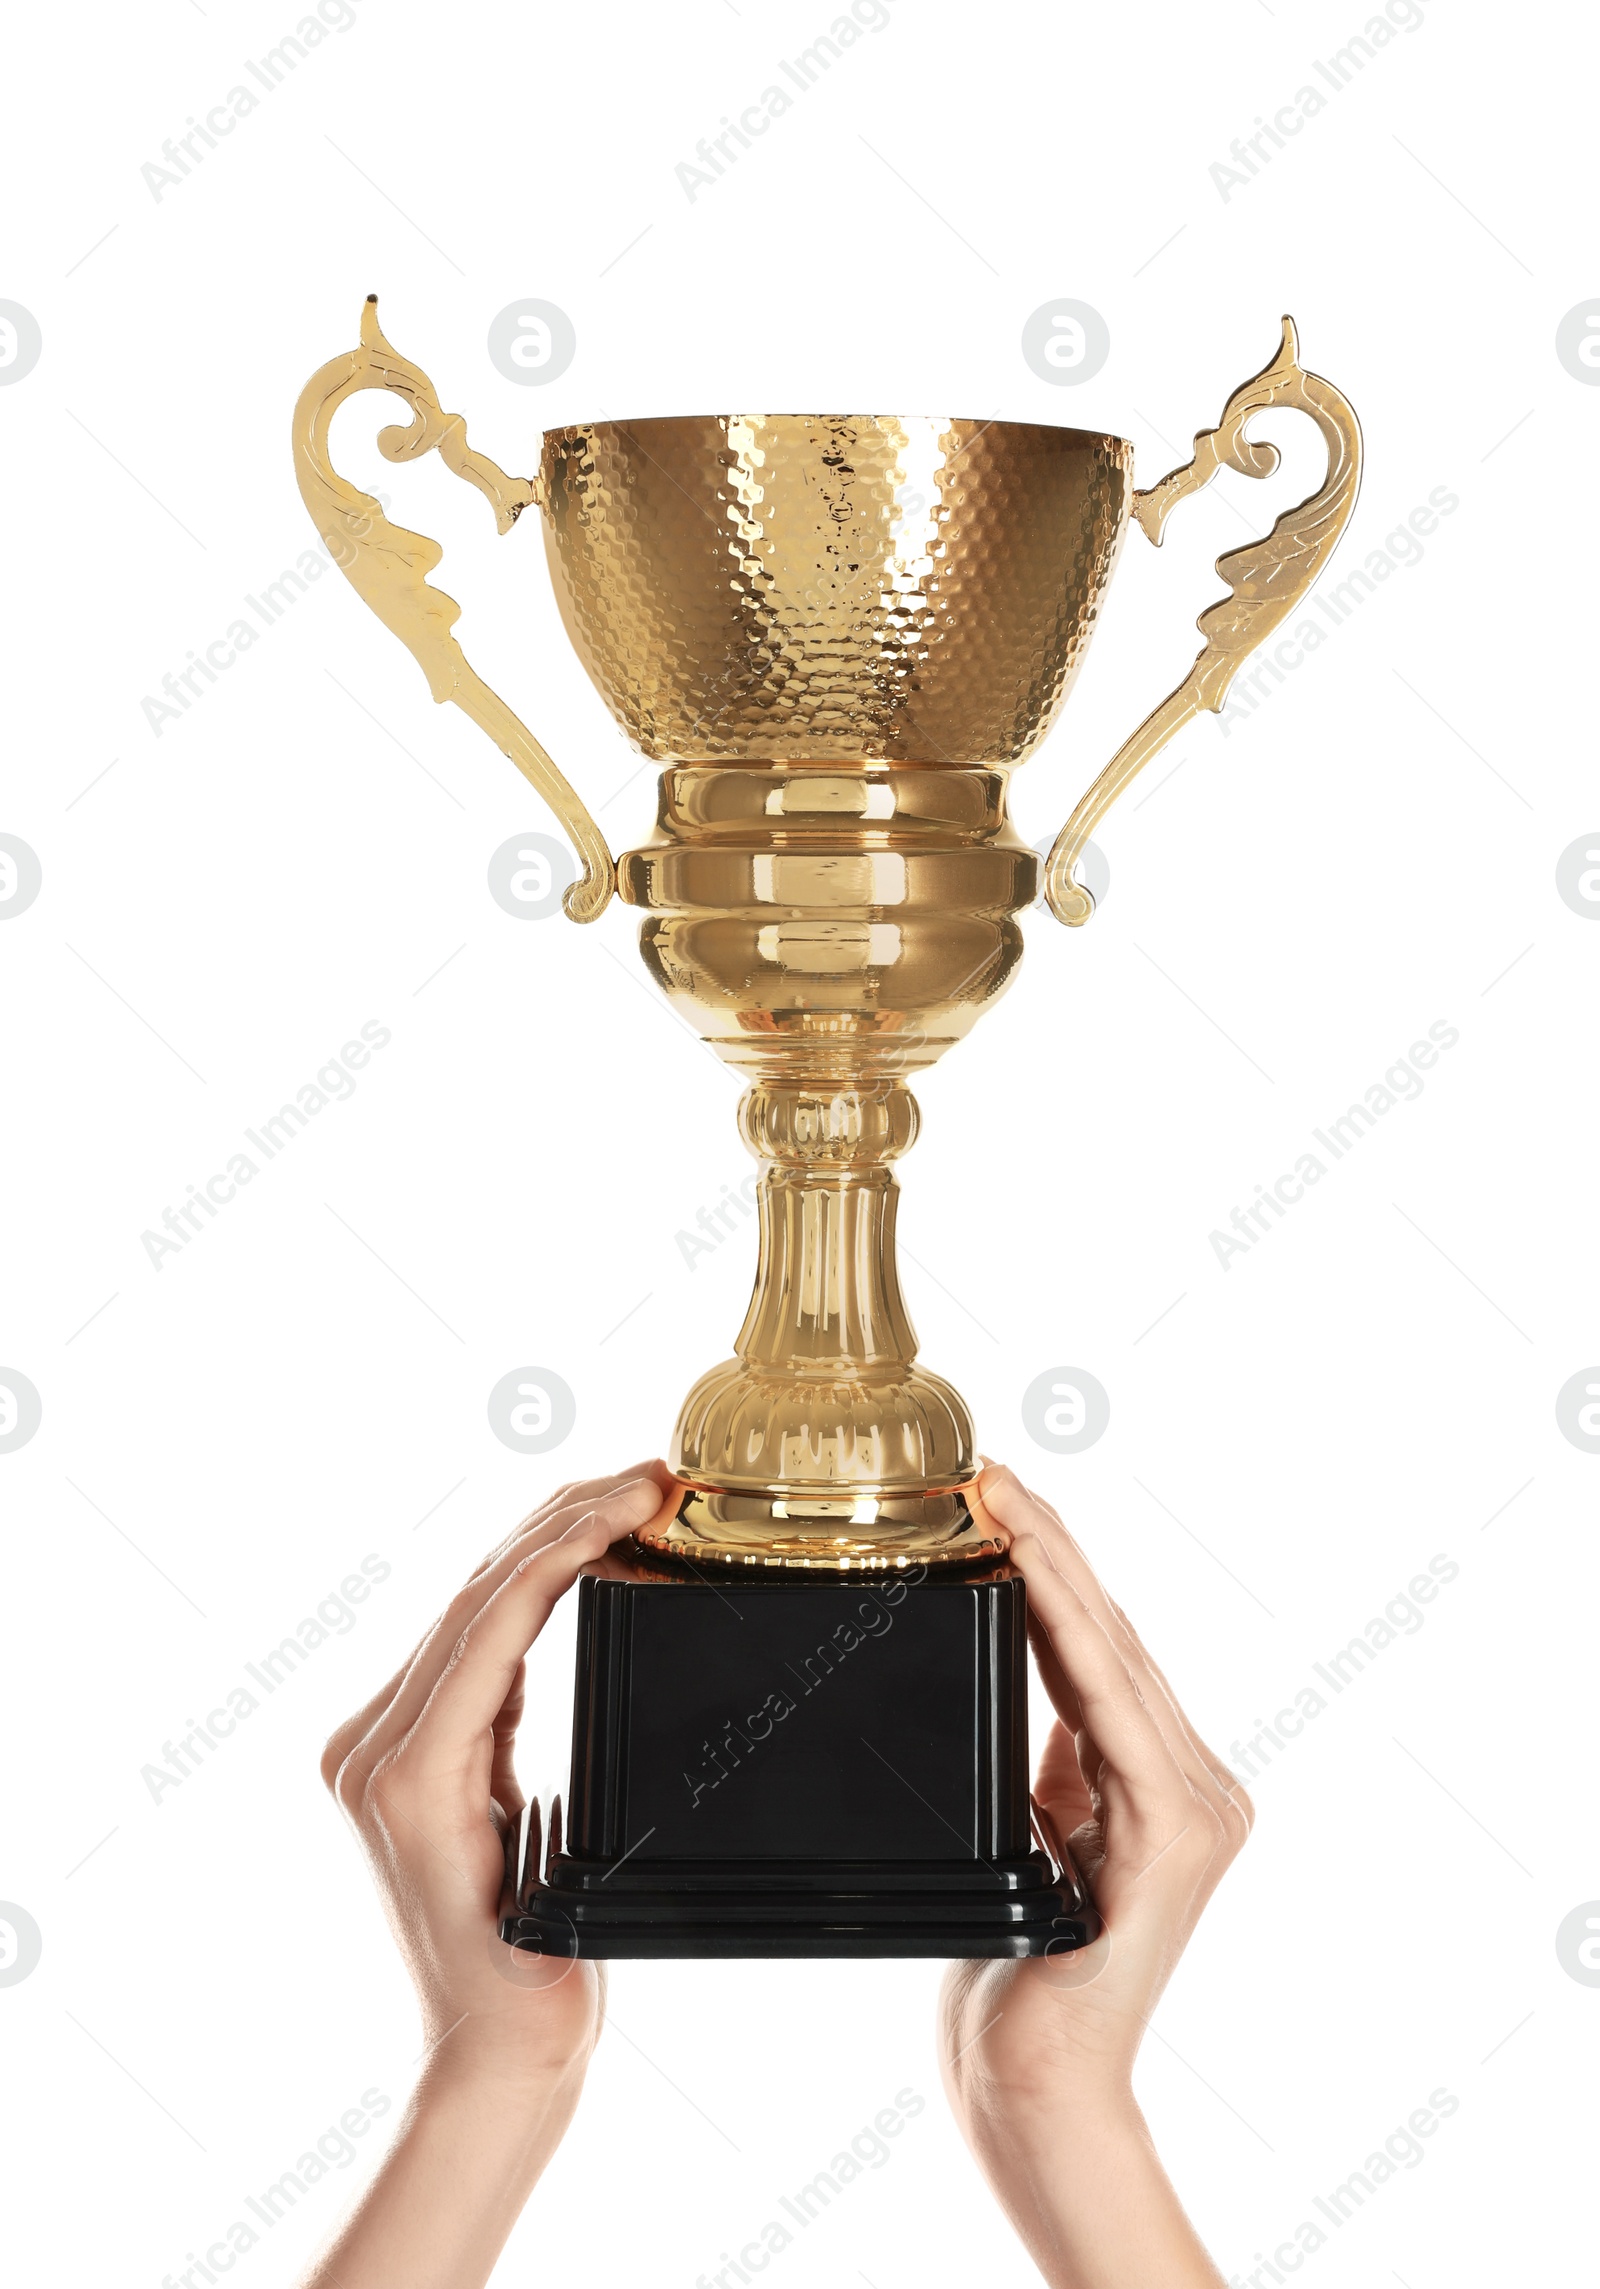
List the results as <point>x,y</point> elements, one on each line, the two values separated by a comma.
<point>426,1776</point>
<point>1039,2054</point>
<point>425,1773</point>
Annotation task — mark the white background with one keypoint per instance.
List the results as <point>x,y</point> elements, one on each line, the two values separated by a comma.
<point>1371,1385</point>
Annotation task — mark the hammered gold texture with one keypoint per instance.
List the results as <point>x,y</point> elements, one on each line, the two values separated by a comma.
<point>832,587</point>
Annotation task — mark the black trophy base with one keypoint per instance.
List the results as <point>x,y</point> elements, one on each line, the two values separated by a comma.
<point>797,1767</point>
<point>799,1908</point>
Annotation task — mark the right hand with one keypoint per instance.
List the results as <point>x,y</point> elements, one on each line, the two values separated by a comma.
<point>426,1776</point>
<point>1039,2053</point>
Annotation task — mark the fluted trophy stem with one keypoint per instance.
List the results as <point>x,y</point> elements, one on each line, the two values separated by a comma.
<point>822,1441</point>
<point>827,1291</point>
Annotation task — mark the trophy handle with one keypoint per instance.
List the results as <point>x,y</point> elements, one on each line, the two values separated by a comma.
<point>388,567</point>
<point>1268,579</point>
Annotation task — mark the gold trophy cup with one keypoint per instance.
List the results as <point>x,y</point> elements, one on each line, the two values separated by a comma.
<point>836,634</point>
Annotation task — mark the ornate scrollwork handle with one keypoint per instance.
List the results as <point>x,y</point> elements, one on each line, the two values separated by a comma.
<point>388,567</point>
<point>1268,578</point>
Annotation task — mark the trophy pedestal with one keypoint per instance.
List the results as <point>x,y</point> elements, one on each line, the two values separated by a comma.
<point>783,1766</point>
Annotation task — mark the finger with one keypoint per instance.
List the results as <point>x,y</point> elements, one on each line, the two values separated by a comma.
<point>390,1712</point>
<point>472,1687</point>
<point>446,1627</point>
<point>1152,1847</point>
<point>1204,1770</point>
<point>1238,1810</point>
<point>504,1787</point>
<point>1110,1702</point>
<point>1000,1489</point>
<point>1029,1521</point>
<point>1061,1788</point>
<point>1217,1827</point>
<point>1054,1678</point>
<point>575,1492</point>
<point>1020,1508</point>
<point>393,1719</point>
<point>542,1524</point>
<point>552,1517</point>
<point>1014,1505</point>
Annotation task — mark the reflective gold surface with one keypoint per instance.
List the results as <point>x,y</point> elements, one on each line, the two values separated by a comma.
<point>816,1534</point>
<point>822,944</point>
<point>829,934</point>
<point>1268,579</point>
<point>847,587</point>
<point>388,566</point>
<point>836,633</point>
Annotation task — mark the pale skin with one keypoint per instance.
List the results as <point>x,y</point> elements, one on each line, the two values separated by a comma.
<point>1037,2055</point>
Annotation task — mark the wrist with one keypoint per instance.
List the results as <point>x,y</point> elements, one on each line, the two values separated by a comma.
<point>1086,2191</point>
<point>483,2072</point>
<point>1076,2129</point>
<point>468,2150</point>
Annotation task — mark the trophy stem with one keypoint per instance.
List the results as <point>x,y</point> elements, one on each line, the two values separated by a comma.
<point>827,1290</point>
<point>821,1442</point>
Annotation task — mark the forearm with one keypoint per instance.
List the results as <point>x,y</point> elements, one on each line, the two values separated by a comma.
<point>465,2158</point>
<point>1088,2196</point>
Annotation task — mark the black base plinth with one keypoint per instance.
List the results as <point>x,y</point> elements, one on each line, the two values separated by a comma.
<point>789,1766</point>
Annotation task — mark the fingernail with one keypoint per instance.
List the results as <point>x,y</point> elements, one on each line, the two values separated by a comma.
<point>631,1498</point>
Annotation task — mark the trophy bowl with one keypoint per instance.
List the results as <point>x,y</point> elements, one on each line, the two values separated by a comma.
<point>832,588</point>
